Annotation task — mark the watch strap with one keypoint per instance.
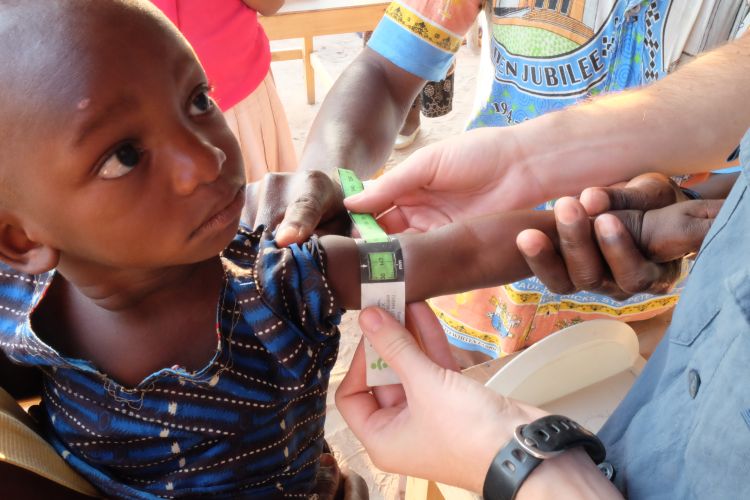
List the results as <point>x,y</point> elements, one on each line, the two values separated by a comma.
<point>543,438</point>
<point>508,471</point>
<point>555,433</point>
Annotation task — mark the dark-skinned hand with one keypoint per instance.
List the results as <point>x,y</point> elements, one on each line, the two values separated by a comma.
<point>635,247</point>
<point>304,203</point>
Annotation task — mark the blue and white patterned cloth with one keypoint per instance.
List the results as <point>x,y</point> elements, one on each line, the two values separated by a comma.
<point>248,424</point>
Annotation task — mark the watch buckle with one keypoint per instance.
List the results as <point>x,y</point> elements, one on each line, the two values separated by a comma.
<point>530,447</point>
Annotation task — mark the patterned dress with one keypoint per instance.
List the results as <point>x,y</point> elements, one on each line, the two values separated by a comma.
<point>249,424</point>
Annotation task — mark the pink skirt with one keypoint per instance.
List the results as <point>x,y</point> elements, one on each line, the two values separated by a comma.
<point>261,127</point>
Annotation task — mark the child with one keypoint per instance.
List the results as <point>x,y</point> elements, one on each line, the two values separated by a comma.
<point>122,189</point>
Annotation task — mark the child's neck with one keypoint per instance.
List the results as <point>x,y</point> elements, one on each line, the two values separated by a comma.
<point>123,290</point>
<point>151,320</point>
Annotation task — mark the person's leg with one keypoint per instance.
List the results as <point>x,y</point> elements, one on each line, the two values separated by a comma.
<point>435,99</point>
<point>410,129</point>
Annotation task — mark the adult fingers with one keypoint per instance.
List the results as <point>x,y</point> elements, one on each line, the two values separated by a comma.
<point>632,272</point>
<point>353,397</point>
<point>316,198</point>
<point>544,261</point>
<point>577,246</point>
<point>397,346</point>
<point>393,221</point>
<point>424,325</point>
<point>414,173</point>
<point>644,192</point>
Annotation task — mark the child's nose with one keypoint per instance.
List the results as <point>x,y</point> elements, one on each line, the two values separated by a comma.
<point>199,163</point>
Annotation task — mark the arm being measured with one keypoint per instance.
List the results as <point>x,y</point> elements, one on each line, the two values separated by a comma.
<point>482,252</point>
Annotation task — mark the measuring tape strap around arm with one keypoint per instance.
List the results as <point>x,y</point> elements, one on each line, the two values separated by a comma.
<point>380,261</point>
<point>382,276</point>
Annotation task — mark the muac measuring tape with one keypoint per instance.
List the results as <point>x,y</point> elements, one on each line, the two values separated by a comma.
<point>381,266</point>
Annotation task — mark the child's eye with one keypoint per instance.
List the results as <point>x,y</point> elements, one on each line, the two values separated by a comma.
<point>121,162</point>
<point>201,103</point>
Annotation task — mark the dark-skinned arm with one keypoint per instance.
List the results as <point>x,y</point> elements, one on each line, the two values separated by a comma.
<point>453,258</point>
<point>354,128</point>
<point>482,252</point>
<point>360,117</point>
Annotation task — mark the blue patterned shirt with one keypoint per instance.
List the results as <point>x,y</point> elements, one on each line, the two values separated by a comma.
<point>683,430</point>
<point>248,424</point>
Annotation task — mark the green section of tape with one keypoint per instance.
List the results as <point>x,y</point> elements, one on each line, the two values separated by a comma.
<point>366,224</point>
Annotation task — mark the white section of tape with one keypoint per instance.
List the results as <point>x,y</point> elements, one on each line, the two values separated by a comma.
<point>390,296</point>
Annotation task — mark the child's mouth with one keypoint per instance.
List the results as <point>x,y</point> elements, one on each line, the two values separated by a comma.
<point>226,216</point>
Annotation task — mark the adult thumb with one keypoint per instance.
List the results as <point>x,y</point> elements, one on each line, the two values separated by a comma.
<point>395,344</point>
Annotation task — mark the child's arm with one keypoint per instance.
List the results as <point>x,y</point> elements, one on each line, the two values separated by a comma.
<point>456,257</point>
<point>482,252</point>
<point>264,7</point>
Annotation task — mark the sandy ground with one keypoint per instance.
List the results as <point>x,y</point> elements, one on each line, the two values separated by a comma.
<point>337,52</point>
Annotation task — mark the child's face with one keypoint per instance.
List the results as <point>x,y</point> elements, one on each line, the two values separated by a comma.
<point>128,163</point>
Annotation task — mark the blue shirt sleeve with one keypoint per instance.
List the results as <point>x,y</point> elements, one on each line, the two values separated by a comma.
<point>292,282</point>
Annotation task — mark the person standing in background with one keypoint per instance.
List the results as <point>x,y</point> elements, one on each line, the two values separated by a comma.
<point>236,54</point>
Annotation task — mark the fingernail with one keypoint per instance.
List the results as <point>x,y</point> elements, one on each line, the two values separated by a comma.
<point>565,212</point>
<point>370,319</point>
<point>354,197</point>
<point>287,233</point>
<point>594,200</point>
<point>527,244</point>
<point>605,225</point>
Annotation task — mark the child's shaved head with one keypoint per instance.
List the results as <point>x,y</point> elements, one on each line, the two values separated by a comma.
<point>44,46</point>
<point>107,123</point>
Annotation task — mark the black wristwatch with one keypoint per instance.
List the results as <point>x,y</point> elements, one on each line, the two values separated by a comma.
<point>543,438</point>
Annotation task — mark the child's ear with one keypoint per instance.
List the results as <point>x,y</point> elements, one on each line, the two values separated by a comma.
<point>24,255</point>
